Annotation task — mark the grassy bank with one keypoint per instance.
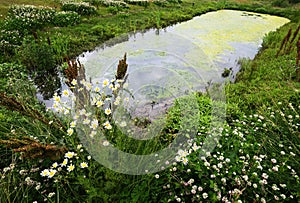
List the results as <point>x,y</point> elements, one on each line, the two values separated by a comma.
<point>255,160</point>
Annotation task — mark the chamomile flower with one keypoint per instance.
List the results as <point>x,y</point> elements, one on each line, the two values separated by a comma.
<point>94,124</point>
<point>86,121</point>
<point>107,125</point>
<point>73,124</point>
<point>45,172</point>
<point>56,98</point>
<point>51,173</point>
<point>105,83</point>
<point>74,82</point>
<point>66,93</point>
<point>83,165</point>
<point>54,165</point>
<point>97,89</point>
<point>107,111</point>
<point>185,161</point>
<point>99,103</point>
<point>69,155</point>
<point>70,168</point>
<point>70,131</point>
<point>64,163</point>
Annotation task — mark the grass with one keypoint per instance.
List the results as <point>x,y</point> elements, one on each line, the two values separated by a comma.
<point>256,159</point>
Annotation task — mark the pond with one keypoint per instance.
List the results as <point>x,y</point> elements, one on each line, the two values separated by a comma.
<point>167,63</point>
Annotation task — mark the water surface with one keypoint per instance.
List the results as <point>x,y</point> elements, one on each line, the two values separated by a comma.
<point>167,63</point>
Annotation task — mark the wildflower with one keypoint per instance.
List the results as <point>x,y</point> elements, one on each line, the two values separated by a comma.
<point>70,131</point>
<point>274,187</point>
<point>79,146</point>
<point>74,82</point>
<point>56,98</point>
<point>282,185</point>
<point>275,168</point>
<point>193,191</point>
<point>51,173</point>
<point>156,176</point>
<point>69,155</point>
<point>273,161</point>
<point>94,124</point>
<point>223,180</point>
<point>107,111</point>
<point>83,165</point>
<point>204,195</point>
<point>66,93</point>
<point>51,194</point>
<point>86,121</point>
<point>97,89</point>
<point>185,161</point>
<point>99,103</point>
<point>116,102</point>
<point>105,143</point>
<point>123,124</point>
<point>70,168</point>
<point>107,125</point>
<point>82,112</point>
<point>64,163</point>
<point>89,157</point>
<point>105,83</point>
<point>73,124</point>
<point>93,133</point>
<point>45,172</point>
<point>282,153</point>
<point>54,165</point>
<point>283,196</point>
<point>88,86</point>
<point>255,185</point>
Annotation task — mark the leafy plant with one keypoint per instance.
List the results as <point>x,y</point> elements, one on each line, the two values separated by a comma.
<point>81,8</point>
<point>64,18</point>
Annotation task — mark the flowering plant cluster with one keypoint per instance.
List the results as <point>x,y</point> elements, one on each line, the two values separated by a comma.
<point>82,8</point>
<point>241,168</point>
<point>119,4</point>
<point>30,17</point>
<point>66,18</point>
<point>23,19</point>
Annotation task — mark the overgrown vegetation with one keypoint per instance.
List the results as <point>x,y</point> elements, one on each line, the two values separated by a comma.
<point>43,159</point>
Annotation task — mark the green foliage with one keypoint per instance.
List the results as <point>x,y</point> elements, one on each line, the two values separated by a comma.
<point>27,18</point>
<point>281,3</point>
<point>39,58</point>
<point>80,8</point>
<point>262,129</point>
<point>118,4</point>
<point>68,18</point>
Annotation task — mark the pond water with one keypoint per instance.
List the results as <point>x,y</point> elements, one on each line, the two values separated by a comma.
<point>167,63</point>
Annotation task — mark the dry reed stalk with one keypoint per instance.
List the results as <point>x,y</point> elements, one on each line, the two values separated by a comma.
<point>33,149</point>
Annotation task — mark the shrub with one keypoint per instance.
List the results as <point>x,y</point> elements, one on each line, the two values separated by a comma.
<point>281,3</point>
<point>118,4</point>
<point>82,8</point>
<point>28,17</point>
<point>66,18</point>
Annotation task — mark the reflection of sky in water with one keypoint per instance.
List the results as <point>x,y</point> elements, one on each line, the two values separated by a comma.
<point>187,55</point>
